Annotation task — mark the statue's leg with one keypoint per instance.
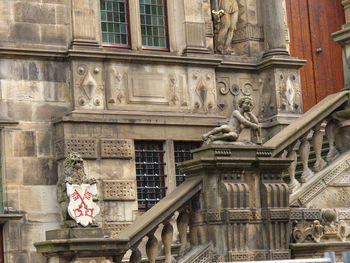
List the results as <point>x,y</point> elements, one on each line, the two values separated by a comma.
<point>222,34</point>
<point>230,30</point>
<point>221,129</point>
<point>231,136</point>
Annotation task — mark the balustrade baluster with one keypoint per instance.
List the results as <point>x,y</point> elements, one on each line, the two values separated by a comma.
<point>330,130</point>
<point>294,184</point>
<point>182,224</point>
<point>317,140</point>
<point>152,246</point>
<point>304,152</point>
<point>196,220</point>
<point>167,238</point>
<point>118,258</point>
<point>135,255</point>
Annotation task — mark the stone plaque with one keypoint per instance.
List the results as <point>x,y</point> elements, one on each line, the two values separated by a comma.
<point>119,190</point>
<point>116,148</point>
<point>87,148</point>
<point>115,228</point>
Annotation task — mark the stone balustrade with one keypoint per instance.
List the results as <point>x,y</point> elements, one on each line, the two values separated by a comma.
<point>185,201</point>
<point>295,138</point>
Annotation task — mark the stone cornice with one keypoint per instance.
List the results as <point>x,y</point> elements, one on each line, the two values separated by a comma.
<point>135,56</point>
<point>342,36</point>
<point>144,118</point>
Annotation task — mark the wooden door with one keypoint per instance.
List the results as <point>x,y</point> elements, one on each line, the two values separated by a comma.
<point>311,23</point>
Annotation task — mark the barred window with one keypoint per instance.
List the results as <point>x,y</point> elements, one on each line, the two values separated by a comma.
<point>150,175</point>
<point>153,24</point>
<point>182,152</point>
<point>114,22</point>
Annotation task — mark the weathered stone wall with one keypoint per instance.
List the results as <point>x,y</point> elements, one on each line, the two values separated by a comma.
<point>33,92</point>
<point>35,23</point>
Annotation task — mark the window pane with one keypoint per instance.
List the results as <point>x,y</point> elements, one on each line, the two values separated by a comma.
<point>114,22</point>
<point>149,173</point>
<point>152,15</point>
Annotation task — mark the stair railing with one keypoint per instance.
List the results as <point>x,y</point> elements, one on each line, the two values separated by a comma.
<point>285,141</point>
<point>185,200</point>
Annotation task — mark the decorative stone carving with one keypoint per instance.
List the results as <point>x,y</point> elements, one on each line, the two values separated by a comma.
<point>117,148</point>
<point>88,86</point>
<point>316,231</point>
<point>119,190</point>
<point>74,175</point>
<point>115,228</point>
<point>116,90</point>
<point>289,92</point>
<point>231,131</point>
<point>225,20</point>
<point>87,148</point>
<point>172,95</point>
<point>204,93</point>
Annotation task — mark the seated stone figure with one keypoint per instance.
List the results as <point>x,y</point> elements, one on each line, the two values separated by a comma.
<point>242,118</point>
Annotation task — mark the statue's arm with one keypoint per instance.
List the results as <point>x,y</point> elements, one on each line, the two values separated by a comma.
<point>243,120</point>
<point>253,118</point>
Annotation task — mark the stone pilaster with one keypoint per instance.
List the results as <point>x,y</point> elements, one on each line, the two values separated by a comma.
<point>194,26</point>
<point>343,38</point>
<point>85,23</point>
<point>274,28</point>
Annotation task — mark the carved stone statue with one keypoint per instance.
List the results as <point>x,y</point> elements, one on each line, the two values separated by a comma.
<point>225,20</point>
<point>242,118</point>
<point>73,176</point>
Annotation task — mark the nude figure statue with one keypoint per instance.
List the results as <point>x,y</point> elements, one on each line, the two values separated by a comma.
<point>239,119</point>
<point>226,21</point>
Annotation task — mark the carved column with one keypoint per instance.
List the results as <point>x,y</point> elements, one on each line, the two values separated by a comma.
<point>346,4</point>
<point>274,29</point>
<point>294,184</point>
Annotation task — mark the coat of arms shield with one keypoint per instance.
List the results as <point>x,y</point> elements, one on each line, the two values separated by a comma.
<point>81,206</point>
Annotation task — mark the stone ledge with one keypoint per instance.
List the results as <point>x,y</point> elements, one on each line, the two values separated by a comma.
<point>4,218</point>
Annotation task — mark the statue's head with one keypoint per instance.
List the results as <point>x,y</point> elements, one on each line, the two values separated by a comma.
<point>74,160</point>
<point>246,103</point>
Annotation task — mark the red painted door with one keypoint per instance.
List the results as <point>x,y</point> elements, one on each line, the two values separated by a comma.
<point>311,23</point>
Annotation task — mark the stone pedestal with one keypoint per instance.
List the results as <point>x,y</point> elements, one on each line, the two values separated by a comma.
<point>78,245</point>
<point>244,202</point>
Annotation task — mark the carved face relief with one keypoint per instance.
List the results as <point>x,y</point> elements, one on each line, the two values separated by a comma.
<point>88,86</point>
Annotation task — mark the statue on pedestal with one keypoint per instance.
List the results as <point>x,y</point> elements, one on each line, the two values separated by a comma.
<point>239,120</point>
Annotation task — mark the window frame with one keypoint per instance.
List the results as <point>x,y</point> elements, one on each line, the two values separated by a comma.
<point>134,29</point>
<point>108,45</point>
<point>167,48</point>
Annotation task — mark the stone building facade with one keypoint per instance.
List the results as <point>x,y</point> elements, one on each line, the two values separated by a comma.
<point>132,106</point>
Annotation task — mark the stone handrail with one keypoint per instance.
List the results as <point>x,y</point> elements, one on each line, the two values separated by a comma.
<point>298,131</point>
<point>183,199</point>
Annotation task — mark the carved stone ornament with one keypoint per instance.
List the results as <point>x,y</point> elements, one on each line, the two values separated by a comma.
<point>232,131</point>
<point>317,232</point>
<point>79,188</point>
<point>225,21</point>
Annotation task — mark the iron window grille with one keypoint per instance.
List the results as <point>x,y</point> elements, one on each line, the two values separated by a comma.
<point>115,23</point>
<point>182,152</point>
<point>149,156</point>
